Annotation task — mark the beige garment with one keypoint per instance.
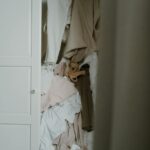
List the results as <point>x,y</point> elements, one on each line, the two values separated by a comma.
<point>69,69</point>
<point>82,33</point>
<point>60,89</point>
<point>60,69</point>
<point>72,135</point>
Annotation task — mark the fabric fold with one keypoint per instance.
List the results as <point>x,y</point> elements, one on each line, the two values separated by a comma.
<point>58,17</point>
<point>60,89</point>
<point>84,27</point>
<point>54,120</point>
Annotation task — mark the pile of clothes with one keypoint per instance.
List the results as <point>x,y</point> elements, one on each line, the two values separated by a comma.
<point>67,106</point>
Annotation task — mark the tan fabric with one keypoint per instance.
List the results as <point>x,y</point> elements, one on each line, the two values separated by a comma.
<point>60,69</point>
<point>81,35</point>
<point>74,72</point>
<point>60,89</point>
<point>68,69</point>
<point>72,135</point>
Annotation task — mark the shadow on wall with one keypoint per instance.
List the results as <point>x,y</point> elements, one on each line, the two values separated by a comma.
<point>122,114</point>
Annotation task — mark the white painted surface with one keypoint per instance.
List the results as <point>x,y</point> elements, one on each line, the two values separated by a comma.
<point>15,26</point>
<point>14,137</point>
<point>20,46</point>
<point>15,90</point>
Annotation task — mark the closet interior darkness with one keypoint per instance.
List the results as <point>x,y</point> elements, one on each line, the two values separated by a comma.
<point>69,56</point>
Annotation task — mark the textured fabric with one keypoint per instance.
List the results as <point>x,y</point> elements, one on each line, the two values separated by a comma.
<point>63,65</point>
<point>60,89</point>
<point>46,77</point>
<point>60,69</point>
<point>58,16</point>
<point>72,138</point>
<point>83,86</point>
<point>81,38</point>
<point>54,120</point>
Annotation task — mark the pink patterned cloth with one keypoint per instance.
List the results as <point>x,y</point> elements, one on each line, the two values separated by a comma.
<point>60,89</point>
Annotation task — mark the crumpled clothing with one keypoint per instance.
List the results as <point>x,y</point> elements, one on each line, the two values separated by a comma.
<point>60,69</point>
<point>46,77</point>
<point>83,30</point>
<point>72,138</point>
<point>75,147</point>
<point>60,89</point>
<point>54,120</point>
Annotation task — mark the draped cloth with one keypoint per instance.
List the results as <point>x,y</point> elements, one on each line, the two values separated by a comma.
<point>72,137</point>
<point>60,89</point>
<point>84,27</point>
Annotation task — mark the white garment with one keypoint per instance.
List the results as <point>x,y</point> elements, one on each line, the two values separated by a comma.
<point>60,89</point>
<point>89,139</point>
<point>46,77</point>
<point>53,121</point>
<point>75,147</point>
<point>58,16</point>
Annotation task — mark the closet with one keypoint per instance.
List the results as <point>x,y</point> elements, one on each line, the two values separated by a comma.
<point>70,31</point>
<point>27,73</point>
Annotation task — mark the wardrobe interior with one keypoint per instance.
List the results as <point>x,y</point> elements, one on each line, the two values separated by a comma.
<point>69,59</point>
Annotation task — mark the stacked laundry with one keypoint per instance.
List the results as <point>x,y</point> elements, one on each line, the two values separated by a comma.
<point>67,104</point>
<point>55,122</point>
<point>61,88</point>
<point>60,113</point>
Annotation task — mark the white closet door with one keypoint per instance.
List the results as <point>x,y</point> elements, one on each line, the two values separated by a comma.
<point>20,22</point>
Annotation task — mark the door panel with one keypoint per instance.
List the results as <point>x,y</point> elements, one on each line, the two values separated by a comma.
<point>15,26</point>
<point>15,137</point>
<point>15,90</point>
<point>20,47</point>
